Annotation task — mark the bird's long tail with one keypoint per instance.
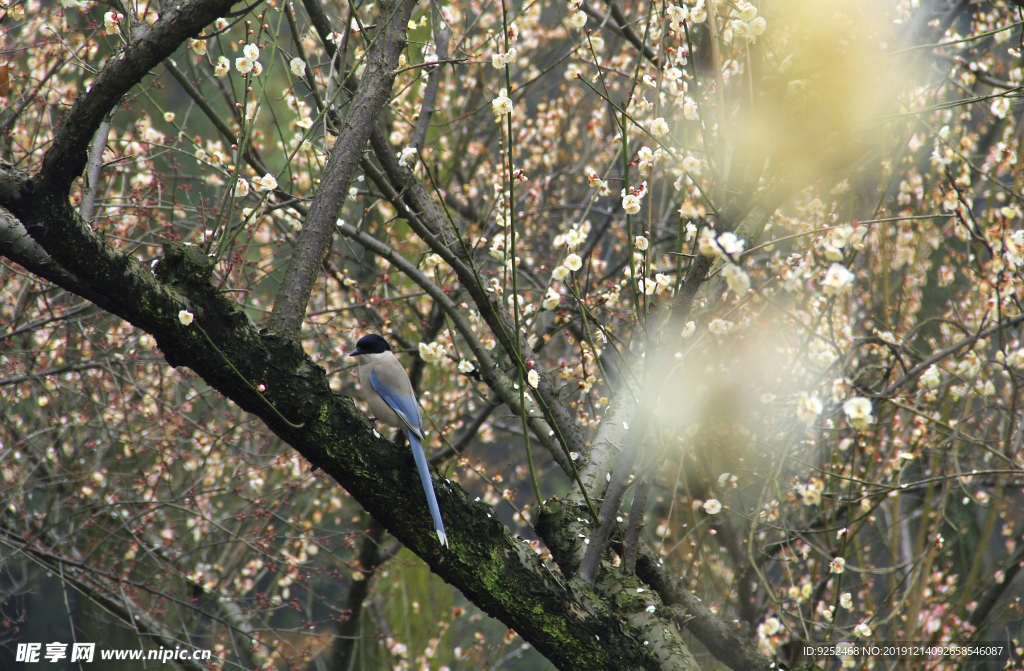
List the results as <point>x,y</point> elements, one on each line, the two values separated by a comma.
<point>428,487</point>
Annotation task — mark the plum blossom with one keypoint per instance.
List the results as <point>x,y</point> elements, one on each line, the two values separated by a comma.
<point>243,65</point>
<point>501,105</point>
<point>265,183</point>
<point>691,164</point>
<point>110,21</point>
<point>551,299</point>
<point>408,156</point>
<point>737,279</point>
<point>719,326</point>
<point>838,280</point>
<point>999,107</point>
<point>646,286</point>
<point>631,203</point>
<point>690,109</point>
<point>432,352</point>
<point>725,244</point>
<point>810,492</point>
<point>533,378</point>
<point>858,410</point>
<point>808,407</point>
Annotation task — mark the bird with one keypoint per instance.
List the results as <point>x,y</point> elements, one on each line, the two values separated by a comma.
<point>389,394</point>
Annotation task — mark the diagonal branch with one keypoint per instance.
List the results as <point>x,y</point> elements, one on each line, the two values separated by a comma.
<point>66,157</point>
<point>374,91</point>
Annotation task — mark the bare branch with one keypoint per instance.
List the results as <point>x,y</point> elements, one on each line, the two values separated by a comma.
<point>374,90</point>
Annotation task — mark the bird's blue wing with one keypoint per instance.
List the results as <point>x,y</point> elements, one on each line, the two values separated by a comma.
<point>404,406</point>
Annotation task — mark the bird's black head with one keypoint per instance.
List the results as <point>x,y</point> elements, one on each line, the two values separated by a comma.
<point>371,344</point>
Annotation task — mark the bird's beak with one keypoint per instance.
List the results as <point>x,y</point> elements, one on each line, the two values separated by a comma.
<point>356,352</point>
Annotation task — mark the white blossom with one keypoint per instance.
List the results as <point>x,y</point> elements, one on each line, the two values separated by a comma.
<point>691,164</point>
<point>808,407</point>
<point>501,105</point>
<point>737,279</point>
<point>931,378</point>
<point>551,299</point>
<point>718,326</point>
<point>222,68</point>
<point>646,286</point>
<point>265,183</point>
<point>690,109</point>
<point>631,203</point>
<point>110,21</point>
<point>408,156</point>
<point>533,378</point>
<point>698,13</point>
<point>858,410</point>
<point>999,107</point>
<point>838,280</point>
<point>432,352</point>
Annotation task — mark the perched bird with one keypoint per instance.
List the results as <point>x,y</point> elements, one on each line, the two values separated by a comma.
<point>392,401</point>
